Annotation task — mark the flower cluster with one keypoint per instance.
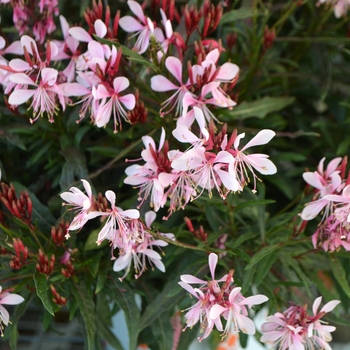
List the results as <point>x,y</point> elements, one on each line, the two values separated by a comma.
<point>7,298</point>
<point>211,162</point>
<point>333,198</point>
<point>216,302</point>
<point>296,329</point>
<point>122,228</point>
<point>34,15</point>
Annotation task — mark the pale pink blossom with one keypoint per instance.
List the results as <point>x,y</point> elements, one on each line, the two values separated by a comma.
<point>43,95</point>
<point>248,162</point>
<point>216,299</point>
<point>161,83</point>
<point>326,183</point>
<point>7,298</point>
<point>117,218</point>
<point>113,103</point>
<point>142,26</point>
<point>235,311</point>
<point>146,176</point>
<point>82,204</point>
<point>296,329</point>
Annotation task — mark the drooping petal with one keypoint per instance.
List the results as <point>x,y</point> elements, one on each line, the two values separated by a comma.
<point>4,315</point>
<point>213,260</point>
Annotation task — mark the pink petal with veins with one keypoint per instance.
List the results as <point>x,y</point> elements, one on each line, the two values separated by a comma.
<point>20,96</point>
<point>21,78</point>
<point>120,84</point>
<point>19,65</point>
<point>261,138</point>
<point>80,34</point>
<point>128,101</point>
<point>130,24</point>
<point>174,66</point>
<point>136,9</point>
<point>100,28</point>
<point>160,83</point>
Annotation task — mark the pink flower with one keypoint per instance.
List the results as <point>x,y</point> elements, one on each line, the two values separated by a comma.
<point>7,298</point>
<point>139,248</point>
<point>82,203</point>
<point>296,329</point>
<point>112,103</point>
<point>161,83</point>
<point>244,162</point>
<point>143,26</point>
<point>235,312</point>
<point>216,301</point>
<point>117,218</point>
<point>146,176</point>
<point>44,95</point>
<point>326,183</point>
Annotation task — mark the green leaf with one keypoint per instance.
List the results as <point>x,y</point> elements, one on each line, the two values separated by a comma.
<point>290,261</point>
<point>242,13</point>
<point>261,254</point>
<point>163,302</point>
<point>41,290</point>
<point>241,239</point>
<point>67,176</point>
<point>87,309</point>
<point>106,334</point>
<point>101,280</point>
<point>340,274</point>
<point>75,162</point>
<point>259,108</point>
<point>132,55</point>
<point>125,299</point>
<point>248,279</point>
<point>91,244</point>
<point>251,203</point>
<point>264,267</point>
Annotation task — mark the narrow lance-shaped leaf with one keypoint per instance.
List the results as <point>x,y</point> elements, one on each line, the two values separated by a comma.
<point>41,290</point>
<point>259,108</point>
<point>125,298</point>
<point>87,310</point>
<point>340,274</point>
<point>261,254</point>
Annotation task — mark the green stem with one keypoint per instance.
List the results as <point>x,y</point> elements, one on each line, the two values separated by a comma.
<point>185,245</point>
